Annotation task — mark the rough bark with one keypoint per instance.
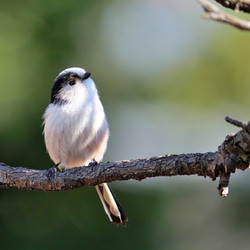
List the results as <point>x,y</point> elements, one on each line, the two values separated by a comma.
<point>233,153</point>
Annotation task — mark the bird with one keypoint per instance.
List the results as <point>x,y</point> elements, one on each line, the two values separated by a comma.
<point>76,131</point>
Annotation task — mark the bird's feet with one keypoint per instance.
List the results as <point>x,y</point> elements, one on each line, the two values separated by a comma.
<point>51,171</point>
<point>92,164</point>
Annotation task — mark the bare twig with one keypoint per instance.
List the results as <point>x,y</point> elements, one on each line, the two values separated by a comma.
<point>216,14</point>
<point>233,153</point>
<point>239,124</point>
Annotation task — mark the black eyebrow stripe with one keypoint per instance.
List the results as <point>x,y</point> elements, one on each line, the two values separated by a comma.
<point>59,82</point>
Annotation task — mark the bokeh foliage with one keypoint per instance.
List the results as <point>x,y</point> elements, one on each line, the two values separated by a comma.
<point>39,39</point>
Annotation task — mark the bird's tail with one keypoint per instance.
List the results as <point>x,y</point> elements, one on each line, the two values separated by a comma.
<point>111,205</point>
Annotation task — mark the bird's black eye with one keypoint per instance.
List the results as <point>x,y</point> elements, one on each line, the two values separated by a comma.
<point>72,82</point>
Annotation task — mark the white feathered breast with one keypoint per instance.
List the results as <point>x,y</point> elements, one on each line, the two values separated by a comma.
<point>76,132</point>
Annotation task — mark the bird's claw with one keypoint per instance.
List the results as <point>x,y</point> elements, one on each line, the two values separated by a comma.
<point>92,164</point>
<point>51,171</point>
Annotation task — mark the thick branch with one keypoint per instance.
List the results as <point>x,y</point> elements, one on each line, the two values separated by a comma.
<point>216,14</point>
<point>233,153</point>
<point>169,165</point>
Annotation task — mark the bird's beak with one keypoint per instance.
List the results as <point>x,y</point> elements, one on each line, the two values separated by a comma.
<point>86,75</point>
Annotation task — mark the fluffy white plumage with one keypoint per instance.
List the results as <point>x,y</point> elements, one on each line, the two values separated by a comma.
<point>76,130</point>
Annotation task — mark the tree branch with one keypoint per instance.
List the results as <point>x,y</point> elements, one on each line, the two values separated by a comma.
<point>237,5</point>
<point>233,153</point>
<point>216,14</point>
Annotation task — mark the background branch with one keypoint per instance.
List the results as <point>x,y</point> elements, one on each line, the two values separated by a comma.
<point>237,5</point>
<point>216,14</point>
<point>233,153</point>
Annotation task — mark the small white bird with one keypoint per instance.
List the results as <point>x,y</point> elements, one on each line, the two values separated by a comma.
<point>76,131</point>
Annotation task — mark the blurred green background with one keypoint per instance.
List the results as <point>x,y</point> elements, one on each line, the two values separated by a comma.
<point>166,78</point>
